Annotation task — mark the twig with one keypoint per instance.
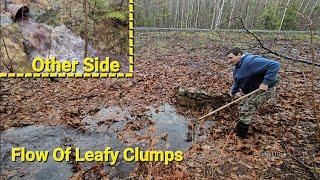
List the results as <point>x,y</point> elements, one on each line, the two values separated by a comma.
<point>84,96</point>
<point>228,137</point>
<point>309,169</point>
<point>130,177</point>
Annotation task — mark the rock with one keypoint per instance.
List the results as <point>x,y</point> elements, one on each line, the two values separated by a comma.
<point>194,97</point>
<point>193,93</point>
<point>47,41</point>
<point>5,20</point>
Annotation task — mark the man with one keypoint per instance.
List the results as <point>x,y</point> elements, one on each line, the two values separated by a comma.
<point>251,72</point>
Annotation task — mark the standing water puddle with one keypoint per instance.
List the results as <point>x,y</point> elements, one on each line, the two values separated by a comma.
<point>100,134</point>
<point>176,126</point>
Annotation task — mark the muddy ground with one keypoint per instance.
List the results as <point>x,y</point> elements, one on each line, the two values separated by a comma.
<point>283,137</point>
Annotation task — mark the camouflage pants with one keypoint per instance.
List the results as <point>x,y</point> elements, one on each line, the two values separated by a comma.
<point>248,106</point>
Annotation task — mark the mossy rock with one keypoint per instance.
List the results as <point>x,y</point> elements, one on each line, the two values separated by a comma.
<point>192,97</point>
<point>14,46</point>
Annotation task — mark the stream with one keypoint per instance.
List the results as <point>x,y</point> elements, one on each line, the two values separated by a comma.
<point>97,137</point>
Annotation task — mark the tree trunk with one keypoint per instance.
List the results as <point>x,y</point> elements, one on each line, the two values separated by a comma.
<point>247,14</point>
<point>214,13</point>
<point>301,5</point>
<point>220,14</point>
<point>195,26</point>
<point>188,6</point>
<point>231,13</point>
<point>284,14</point>
<point>5,5</point>
<point>192,8</point>
<point>181,18</point>
<point>307,6</point>
<point>85,8</point>
<point>170,12</point>
<point>313,8</point>
<point>176,16</point>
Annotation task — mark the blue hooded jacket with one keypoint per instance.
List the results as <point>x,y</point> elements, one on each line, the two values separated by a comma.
<point>251,71</point>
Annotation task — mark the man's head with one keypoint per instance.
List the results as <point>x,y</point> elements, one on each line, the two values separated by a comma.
<point>234,55</point>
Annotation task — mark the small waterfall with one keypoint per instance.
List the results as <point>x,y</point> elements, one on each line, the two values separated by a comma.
<point>45,41</point>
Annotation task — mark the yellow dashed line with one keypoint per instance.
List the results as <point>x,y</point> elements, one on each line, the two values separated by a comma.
<point>45,75</point>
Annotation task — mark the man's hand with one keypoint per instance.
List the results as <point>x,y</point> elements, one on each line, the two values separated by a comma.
<point>263,87</point>
<point>230,94</point>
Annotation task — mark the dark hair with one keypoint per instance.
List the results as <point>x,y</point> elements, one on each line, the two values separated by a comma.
<point>235,51</point>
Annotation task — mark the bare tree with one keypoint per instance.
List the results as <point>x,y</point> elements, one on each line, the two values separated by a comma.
<point>233,2</point>
<point>195,25</point>
<point>306,7</point>
<point>5,5</point>
<point>214,13</point>
<point>187,19</point>
<point>284,14</point>
<point>176,16</point>
<point>220,14</point>
<point>209,13</point>
<point>85,9</point>
<point>170,12</point>
<point>313,8</point>
<point>302,2</point>
<point>181,22</point>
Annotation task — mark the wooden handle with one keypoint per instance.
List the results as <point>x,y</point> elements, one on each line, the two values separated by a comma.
<point>222,107</point>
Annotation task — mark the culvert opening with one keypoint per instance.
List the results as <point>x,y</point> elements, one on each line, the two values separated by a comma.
<point>22,13</point>
<point>18,12</point>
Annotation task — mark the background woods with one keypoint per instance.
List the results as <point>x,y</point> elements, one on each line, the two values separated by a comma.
<point>207,14</point>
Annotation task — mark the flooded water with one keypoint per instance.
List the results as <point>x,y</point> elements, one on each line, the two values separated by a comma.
<point>47,138</point>
<point>102,131</point>
<point>168,121</point>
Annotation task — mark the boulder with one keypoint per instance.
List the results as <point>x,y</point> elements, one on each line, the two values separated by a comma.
<point>193,97</point>
<point>5,20</point>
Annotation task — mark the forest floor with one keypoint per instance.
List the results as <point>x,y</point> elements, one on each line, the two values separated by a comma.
<point>167,61</point>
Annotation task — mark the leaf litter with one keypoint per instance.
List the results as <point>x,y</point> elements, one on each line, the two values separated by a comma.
<point>164,65</point>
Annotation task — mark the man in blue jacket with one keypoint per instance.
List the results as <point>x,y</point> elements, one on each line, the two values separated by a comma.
<point>251,72</point>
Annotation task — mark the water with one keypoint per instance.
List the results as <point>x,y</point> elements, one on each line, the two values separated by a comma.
<point>42,40</point>
<point>102,131</point>
<point>168,121</point>
<point>46,41</point>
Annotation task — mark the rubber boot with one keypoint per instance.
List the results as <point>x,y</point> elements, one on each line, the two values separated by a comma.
<point>242,130</point>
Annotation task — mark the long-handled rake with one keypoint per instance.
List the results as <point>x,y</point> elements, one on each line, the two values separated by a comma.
<point>196,122</point>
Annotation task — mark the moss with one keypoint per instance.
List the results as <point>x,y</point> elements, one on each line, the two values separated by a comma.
<point>14,42</point>
<point>117,15</point>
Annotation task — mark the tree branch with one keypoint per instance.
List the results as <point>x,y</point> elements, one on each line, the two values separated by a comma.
<point>309,169</point>
<point>262,45</point>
